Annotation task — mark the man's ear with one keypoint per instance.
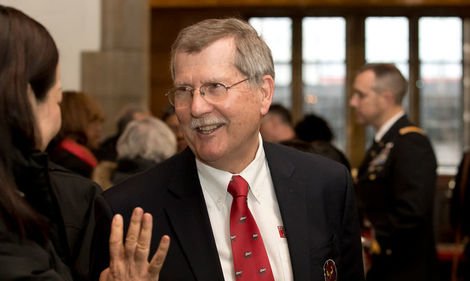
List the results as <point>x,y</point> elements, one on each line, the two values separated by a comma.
<point>388,97</point>
<point>267,92</point>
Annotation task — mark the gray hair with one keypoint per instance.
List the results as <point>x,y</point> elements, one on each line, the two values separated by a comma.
<point>388,77</point>
<point>252,57</point>
<point>148,138</point>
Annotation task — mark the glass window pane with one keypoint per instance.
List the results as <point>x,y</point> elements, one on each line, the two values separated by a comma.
<point>323,39</point>
<point>440,39</point>
<point>277,33</point>
<point>282,92</point>
<point>387,39</point>
<point>324,72</point>
<point>440,53</point>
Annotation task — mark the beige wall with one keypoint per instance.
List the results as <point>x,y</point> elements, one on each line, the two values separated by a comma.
<point>75,26</point>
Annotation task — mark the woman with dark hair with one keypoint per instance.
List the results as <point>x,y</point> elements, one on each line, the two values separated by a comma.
<point>46,212</point>
<point>79,135</point>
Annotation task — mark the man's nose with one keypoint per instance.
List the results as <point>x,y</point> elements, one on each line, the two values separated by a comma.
<point>199,106</point>
<point>353,101</point>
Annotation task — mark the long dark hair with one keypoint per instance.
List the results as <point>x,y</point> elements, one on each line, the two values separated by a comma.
<point>28,58</point>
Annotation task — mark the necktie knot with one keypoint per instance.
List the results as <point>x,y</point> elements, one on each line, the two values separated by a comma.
<point>238,187</point>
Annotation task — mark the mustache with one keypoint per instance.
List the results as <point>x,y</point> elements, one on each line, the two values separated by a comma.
<point>206,121</point>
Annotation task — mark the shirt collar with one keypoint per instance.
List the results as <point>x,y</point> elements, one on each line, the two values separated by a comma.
<point>217,180</point>
<point>385,127</point>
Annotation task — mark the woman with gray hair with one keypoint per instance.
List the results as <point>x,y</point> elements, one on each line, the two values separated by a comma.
<point>143,144</point>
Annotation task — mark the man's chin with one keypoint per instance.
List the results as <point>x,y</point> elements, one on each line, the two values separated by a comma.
<point>208,157</point>
<point>360,120</point>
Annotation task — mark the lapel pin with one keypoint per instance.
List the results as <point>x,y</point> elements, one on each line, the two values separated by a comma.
<point>329,270</point>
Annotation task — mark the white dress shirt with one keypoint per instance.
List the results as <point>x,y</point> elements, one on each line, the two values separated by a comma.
<point>385,127</point>
<point>263,206</point>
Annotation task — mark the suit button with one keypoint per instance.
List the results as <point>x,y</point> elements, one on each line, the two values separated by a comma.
<point>372,177</point>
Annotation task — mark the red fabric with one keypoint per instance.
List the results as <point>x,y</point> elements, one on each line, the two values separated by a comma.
<point>249,254</point>
<point>80,151</point>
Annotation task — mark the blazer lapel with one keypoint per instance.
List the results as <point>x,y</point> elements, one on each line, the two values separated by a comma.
<point>291,196</point>
<point>190,220</point>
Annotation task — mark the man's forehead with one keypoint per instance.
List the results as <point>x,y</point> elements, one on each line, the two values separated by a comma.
<point>214,62</point>
<point>366,76</point>
<point>226,44</point>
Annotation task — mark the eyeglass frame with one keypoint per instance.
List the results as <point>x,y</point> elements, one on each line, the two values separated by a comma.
<point>202,93</point>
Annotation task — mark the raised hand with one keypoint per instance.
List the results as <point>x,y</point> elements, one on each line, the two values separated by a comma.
<point>129,261</point>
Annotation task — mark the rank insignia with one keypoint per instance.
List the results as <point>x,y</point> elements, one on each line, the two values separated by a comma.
<point>329,270</point>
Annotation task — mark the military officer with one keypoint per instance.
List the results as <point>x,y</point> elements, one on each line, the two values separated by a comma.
<point>396,180</point>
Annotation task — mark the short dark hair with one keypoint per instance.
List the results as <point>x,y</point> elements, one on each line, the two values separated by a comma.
<point>387,77</point>
<point>313,128</point>
<point>282,112</point>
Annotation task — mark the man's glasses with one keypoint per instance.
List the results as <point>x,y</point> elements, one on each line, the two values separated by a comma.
<point>211,92</point>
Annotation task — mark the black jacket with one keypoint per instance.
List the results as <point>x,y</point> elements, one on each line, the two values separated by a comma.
<point>460,209</point>
<point>315,197</point>
<point>396,186</point>
<point>66,202</point>
<point>128,167</point>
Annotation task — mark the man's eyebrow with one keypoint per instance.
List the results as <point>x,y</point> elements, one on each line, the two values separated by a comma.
<point>183,85</point>
<point>357,91</point>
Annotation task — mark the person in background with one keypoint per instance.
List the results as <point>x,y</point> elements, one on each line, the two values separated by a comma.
<point>107,149</point>
<point>169,117</point>
<point>312,128</point>
<point>315,130</point>
<point>460,217</point>
<point>239,208</point>
<point>319,147</point>
<point>397,179</point>
<point>79,135</point>
<point>143,144</point>
<point>276,126</point>
<point>47,212</point>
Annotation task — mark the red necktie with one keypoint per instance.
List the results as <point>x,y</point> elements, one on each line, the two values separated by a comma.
<point>249,255</point>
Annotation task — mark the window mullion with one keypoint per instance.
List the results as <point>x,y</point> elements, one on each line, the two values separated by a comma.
<point>414,66</point>
<point>466,83</point>
<point>297,85</point>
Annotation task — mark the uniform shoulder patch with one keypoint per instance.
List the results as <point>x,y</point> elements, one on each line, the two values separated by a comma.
<point>411,129</point>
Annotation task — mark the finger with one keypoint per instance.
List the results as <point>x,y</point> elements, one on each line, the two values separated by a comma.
<point>159,258</point>
<point>116,248</point>
<point>143,244</point>
<point>133,232</point>
<point>104,275</point>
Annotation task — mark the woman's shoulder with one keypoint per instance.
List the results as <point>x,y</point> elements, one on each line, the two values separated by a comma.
<point>74,193</point>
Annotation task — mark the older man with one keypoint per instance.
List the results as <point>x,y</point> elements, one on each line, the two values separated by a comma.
<point>396,179</point>
<point>237,208</point>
